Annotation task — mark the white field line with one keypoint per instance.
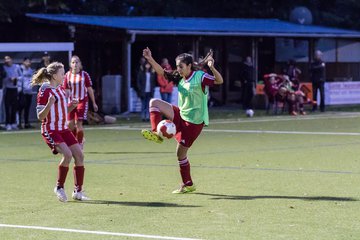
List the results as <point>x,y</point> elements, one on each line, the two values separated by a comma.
<point>94,232</point>
<point>128,128</point>
<point>265,119</point>
<point>282,132</point>
<point>287,118</point>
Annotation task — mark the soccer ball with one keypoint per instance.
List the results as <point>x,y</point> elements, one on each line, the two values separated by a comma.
<point>249,113</point>
<point>166,129</point>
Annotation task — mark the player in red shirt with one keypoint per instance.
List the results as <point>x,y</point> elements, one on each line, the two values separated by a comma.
<point>78,86</point>
<point>52,108</point>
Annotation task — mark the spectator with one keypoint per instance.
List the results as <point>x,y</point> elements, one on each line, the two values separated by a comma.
<point>145,84</point>
<point>25,92</point>
<point>13,74</point>
<point>317,73</point>
<point>45,60</point>
<point>2,110</point>
<point>293,72</point>
<point>166,87</point>
<point>247,84</point>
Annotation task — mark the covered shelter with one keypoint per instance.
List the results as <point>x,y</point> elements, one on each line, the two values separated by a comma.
<point>60,51</point>
<point>270,43</point>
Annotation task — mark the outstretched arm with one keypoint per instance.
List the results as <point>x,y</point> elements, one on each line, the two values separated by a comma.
<point>147,55</point>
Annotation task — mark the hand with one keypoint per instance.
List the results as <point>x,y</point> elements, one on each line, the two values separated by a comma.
<point>210,62</point>
<point>147,53</point>
<point>51,99</point>
<point>95,107</point>
<point>74,102</point>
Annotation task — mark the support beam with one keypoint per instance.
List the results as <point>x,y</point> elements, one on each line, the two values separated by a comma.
<point>127,67</point>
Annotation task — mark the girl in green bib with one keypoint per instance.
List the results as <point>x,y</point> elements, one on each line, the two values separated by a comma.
<point>192,112</point>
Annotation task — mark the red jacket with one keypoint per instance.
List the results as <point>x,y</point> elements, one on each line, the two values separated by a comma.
<point>165,85</point>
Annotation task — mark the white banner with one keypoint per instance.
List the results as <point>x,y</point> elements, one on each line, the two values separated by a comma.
<point>342,93</point>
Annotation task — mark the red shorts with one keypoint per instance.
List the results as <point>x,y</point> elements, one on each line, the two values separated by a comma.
<point>80,112</point>
<point>54,138</point>
<point>186,132</point>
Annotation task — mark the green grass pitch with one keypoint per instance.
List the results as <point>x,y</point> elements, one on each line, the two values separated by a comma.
<point>261,178</point>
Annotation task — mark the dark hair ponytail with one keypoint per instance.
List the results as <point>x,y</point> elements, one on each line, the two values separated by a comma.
<point>186,58</point>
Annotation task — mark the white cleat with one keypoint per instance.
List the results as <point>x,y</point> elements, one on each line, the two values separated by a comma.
<point>80,196</point>
<point>60,194</point>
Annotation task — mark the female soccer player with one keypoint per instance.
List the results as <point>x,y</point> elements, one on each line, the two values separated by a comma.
<point>192,113</point>
<point>52,110</point>
<point>78,86</point>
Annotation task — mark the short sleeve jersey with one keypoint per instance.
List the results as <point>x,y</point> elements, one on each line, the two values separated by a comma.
<point>56,118</point>
<point>77,84</point>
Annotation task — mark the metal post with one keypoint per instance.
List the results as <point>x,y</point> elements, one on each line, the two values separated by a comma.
<point>254,56</point>
<point>127,63</point>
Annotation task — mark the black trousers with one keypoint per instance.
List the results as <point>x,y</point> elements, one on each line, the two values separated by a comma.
<point>11,105</point>
<point>319,86</point>
<point>24,106</point>
<point>247,94</point>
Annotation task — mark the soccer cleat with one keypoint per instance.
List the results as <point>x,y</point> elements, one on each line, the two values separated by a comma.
<point>149,135</point>
<point>60,194</point>
<point>80,196</point>
<point>184,189</point>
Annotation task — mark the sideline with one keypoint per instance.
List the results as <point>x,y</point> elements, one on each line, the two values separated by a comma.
<point>93,232</point>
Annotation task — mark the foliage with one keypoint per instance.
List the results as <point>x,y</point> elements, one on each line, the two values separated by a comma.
<point>337,13</point>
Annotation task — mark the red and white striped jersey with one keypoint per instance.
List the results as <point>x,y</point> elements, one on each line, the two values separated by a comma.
<point>77,84</point>
<point>56,120</point>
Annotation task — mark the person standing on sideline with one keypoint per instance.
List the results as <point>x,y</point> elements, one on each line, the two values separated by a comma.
<point>45,60</point>
<point>247,85</point>
<point>146,84</point>
<point>52,108</point>
<point>192,113</point>
<point>26,92</point>
<point>166,87</point>
<point>13,75</point>
<point>78,86</point>
<point>317,73</point>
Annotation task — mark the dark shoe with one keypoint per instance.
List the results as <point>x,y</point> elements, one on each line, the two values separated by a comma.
<point>27,126</point>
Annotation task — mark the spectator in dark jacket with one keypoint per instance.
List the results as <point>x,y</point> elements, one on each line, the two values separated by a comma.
<point>247,83</point>
<point>146,84</point>
<point>317,73</point>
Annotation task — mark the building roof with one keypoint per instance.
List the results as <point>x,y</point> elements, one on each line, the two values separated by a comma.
<point>201,26</point>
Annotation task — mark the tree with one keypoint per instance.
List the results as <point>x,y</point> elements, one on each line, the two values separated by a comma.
<point>336,13</point>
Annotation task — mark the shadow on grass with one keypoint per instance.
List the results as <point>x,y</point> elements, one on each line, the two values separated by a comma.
<point>305,198</point>
<point>137,204</point>
<point>135,152</point>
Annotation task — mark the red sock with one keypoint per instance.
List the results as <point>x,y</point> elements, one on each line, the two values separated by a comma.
<point>78,177</point>
<point>80,136</point>
<point>155,117</point>
<point>62,172</point>
<point>185,171</point>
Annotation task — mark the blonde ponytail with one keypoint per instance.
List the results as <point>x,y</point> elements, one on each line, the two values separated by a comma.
<point>40,76</point>
<point>45,74</point>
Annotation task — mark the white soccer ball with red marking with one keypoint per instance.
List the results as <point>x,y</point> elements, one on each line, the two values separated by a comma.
<point>166,129</point>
